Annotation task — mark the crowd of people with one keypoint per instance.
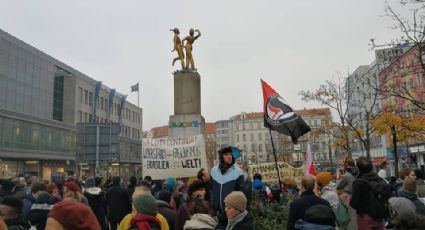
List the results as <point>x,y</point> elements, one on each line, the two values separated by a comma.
<point>354,198</point>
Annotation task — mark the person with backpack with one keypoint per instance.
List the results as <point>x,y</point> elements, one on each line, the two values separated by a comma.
<point>260,192</point>
<point>370,197</point>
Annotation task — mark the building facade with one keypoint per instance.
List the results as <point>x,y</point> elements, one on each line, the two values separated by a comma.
<point>405,77</point>
<point>224,133</point>
<point>41,100</point>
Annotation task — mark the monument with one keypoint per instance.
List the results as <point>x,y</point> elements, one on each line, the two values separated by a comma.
<point>187,119</point>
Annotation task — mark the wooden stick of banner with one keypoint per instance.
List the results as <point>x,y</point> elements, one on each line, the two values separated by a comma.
<point>275,160</point>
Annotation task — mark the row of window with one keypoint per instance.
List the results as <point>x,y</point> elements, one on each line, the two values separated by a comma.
<point>252,148</point>
<point>26,135</point>
<point>130,132</point>
<point>252,137</point>
<point>86,97</point>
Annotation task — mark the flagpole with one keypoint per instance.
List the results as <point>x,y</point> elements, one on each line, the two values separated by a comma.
<point>138,94</point>
<point>275,160</point>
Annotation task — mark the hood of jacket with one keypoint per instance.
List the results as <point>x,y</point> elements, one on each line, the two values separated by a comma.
<point>162,204</point>
<point>200,221</point>
<point>257,184</point>
<point>93,190</point>
<point>408,195</point>
<point>372,176</point>
<point>302,225</point>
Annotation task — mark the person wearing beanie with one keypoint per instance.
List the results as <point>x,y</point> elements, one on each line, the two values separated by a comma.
<point>118,203</point>
<point>408,191</point>
<point>10,207</point>
<point>144,213</point>
<point>326,192</point>
<point>125,223</point>
<point>164,208</point>
<point>318,217</point>
<point>236,212</point>
<point>73,215</point>
<point>96,200</point>
<point>225,178</point>
<point>37,216</point>
<point>73,192</point>
<point>196,191</point>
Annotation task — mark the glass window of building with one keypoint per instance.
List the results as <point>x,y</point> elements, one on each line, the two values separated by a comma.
<point>252,137</point>
<point>260,136</point>
<point>244,137</point>
<point>260,147</point>
<point>86,97</point>
<point>101,103</point>
<point>106,105</point>
<point>80,94</point>
<point>90,98</point>
<point>237,138</point>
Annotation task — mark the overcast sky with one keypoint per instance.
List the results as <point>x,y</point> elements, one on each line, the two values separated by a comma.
<point>293,45</point>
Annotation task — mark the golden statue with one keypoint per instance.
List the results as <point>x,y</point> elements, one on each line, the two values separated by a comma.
<point>178,47</point>
<point>189,41</point>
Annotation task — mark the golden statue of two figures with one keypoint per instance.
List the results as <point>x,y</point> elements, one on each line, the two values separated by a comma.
<point>179,45</point>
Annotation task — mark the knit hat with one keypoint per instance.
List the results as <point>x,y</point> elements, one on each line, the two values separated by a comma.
<point>72,186</point>
<point>195,186</point>
<point>164,195</point>
<point>320,214</point>
<point>237,200</point>
<point>44,198</point>
<point>323,178</point>
<point>145,204</point>
<point>74,215</point>
<point>7,185</point>
<point>401,205</point>
<point>169,183</point>
<point>90,182</point>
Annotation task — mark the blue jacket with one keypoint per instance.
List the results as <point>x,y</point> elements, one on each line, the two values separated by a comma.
<point>223,184</point>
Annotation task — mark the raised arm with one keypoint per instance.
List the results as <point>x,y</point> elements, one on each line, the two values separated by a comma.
<point>197,36</point>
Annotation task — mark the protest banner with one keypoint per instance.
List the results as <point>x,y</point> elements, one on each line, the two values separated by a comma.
<point>176,157</point>
<point>269,173</point>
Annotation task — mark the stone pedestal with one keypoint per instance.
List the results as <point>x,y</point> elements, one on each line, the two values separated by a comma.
<point>186,125</point>
<point>187,93</point>
<point>187,119</point>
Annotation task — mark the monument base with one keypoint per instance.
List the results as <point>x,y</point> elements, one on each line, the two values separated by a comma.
<point>186,125</point>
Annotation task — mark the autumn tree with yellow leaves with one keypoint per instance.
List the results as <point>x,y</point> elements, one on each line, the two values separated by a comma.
<point>401,129</point>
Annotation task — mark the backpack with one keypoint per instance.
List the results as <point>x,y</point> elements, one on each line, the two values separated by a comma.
<point>379,193</point>
<point>342,215</point>
<point>259,194</point>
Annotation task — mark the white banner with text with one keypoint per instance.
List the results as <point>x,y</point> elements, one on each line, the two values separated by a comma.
<point>176,157</point>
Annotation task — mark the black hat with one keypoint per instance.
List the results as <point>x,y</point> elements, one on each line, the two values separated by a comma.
<point>195,186</point>
<point>164,195</point>
<point>320,214</point>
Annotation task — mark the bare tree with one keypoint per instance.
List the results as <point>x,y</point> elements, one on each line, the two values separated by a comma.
<point>413,34</point>
<point>334,95</point>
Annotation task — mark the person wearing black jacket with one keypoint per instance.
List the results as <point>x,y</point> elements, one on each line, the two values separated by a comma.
<point>164,209</point>
<point>298,207</point>
<point>118,203</point>
<point>37,215</point>
<point>371,207</point>
<point>97,201</point>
